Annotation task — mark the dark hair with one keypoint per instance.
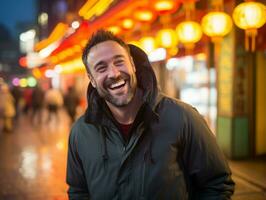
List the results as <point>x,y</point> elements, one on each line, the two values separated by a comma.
<point>97,37</point>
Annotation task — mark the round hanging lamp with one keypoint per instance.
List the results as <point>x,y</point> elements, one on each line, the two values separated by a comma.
<point>127,23</point>
<point>167,38</point>
<point>114,29</point>
<point>148,44</point>
<point>163,7</point>
<point>216,25</point>
<point>189,32</point>
<point>143,14</point>
<point>250,16</point>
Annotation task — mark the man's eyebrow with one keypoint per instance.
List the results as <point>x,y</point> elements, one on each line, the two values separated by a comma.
<point>118,56</point>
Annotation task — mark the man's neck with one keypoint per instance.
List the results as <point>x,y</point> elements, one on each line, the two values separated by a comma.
<point>127,114</point>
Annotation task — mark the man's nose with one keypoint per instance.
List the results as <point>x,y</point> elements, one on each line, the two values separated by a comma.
<point>114,72</point>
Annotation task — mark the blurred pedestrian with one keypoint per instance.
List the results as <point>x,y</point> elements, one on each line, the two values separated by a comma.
<point>53,101</point>
<point>71,101</point>
<point>37,104</point>
<point>17,94</point>
<point>7,108</point>
<point>27,96</point>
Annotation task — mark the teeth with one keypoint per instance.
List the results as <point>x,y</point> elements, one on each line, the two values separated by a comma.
<point>117,84</point>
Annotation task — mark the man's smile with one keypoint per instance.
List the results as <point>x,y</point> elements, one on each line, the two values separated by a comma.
<point>116,85</point>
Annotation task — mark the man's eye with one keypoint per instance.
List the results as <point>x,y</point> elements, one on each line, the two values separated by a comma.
<point>119,62</point>
<point>101,69</point>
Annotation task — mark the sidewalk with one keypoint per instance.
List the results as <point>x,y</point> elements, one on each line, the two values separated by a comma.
<point>253,171</point>
<point>250,178</point>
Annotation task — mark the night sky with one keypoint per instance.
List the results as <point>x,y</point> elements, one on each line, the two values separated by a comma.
<point>17,11</point>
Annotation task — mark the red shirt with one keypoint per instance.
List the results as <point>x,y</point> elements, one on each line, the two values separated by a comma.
<point>125,130</point>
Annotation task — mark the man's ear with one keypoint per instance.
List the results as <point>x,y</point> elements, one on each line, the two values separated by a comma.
<point>92,80</point>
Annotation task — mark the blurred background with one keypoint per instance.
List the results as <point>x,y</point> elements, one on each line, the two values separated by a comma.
<point>208,53</point>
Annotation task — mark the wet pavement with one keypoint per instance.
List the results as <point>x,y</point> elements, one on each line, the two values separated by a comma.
<point>33,161</point>
<point>250,178</point>
<point>33,164</point>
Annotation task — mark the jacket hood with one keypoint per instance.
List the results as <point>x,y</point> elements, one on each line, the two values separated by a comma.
<point>146,80</point>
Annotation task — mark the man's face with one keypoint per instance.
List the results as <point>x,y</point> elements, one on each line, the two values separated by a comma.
<point>112,73</point>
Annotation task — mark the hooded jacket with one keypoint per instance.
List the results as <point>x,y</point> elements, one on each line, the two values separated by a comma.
<point>171,153</point>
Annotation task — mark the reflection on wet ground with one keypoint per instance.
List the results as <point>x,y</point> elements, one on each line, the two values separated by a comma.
<point>33,160</point>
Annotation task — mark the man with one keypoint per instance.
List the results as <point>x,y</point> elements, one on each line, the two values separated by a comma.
<point>135,143</point>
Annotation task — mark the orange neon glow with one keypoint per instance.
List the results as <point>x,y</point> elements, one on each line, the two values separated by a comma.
<point>94,8</point>
<point>58,32</point>
<point>36,73</point>
<point>81,34</point>
<point>87,6</point>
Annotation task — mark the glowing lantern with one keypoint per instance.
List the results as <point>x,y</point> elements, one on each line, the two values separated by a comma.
<point>127,23</point>
<point>148,44</point>
<point>144,15</point>
<point>165,6</point>
<point>250,16</point>
<point>189,32</point>
<point>114,29</point>
<point>166,38</point>
<point>216,25</point>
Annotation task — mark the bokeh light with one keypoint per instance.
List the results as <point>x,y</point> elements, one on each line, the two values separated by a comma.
<point>31,81</point>
<point>23,82</point>
<point>15,81</point>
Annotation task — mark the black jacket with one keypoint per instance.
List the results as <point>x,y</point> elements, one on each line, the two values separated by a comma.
<point>171,154</point>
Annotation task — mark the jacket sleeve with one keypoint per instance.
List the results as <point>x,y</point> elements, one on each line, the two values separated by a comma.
<point>205,166</point>
<point>75,177</point>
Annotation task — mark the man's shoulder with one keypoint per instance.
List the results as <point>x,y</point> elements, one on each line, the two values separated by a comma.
<point>173,103</point>
<point>79,121</point>
<point>80,126</point>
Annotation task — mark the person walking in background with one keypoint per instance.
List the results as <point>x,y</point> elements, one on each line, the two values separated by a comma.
<point>37,104</point>
<point>27,97</point>
<point>133,142</point>
<point>71,101</point>
<point>53,101</point>
<point>7,108</point>
<point>17,94</point>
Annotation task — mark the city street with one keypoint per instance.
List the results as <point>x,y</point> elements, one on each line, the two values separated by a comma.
<point>208,54</point>
<point>33,163</point>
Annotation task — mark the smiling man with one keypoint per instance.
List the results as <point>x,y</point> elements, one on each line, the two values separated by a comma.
<point>112,73</point>
<point>135,143</point>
